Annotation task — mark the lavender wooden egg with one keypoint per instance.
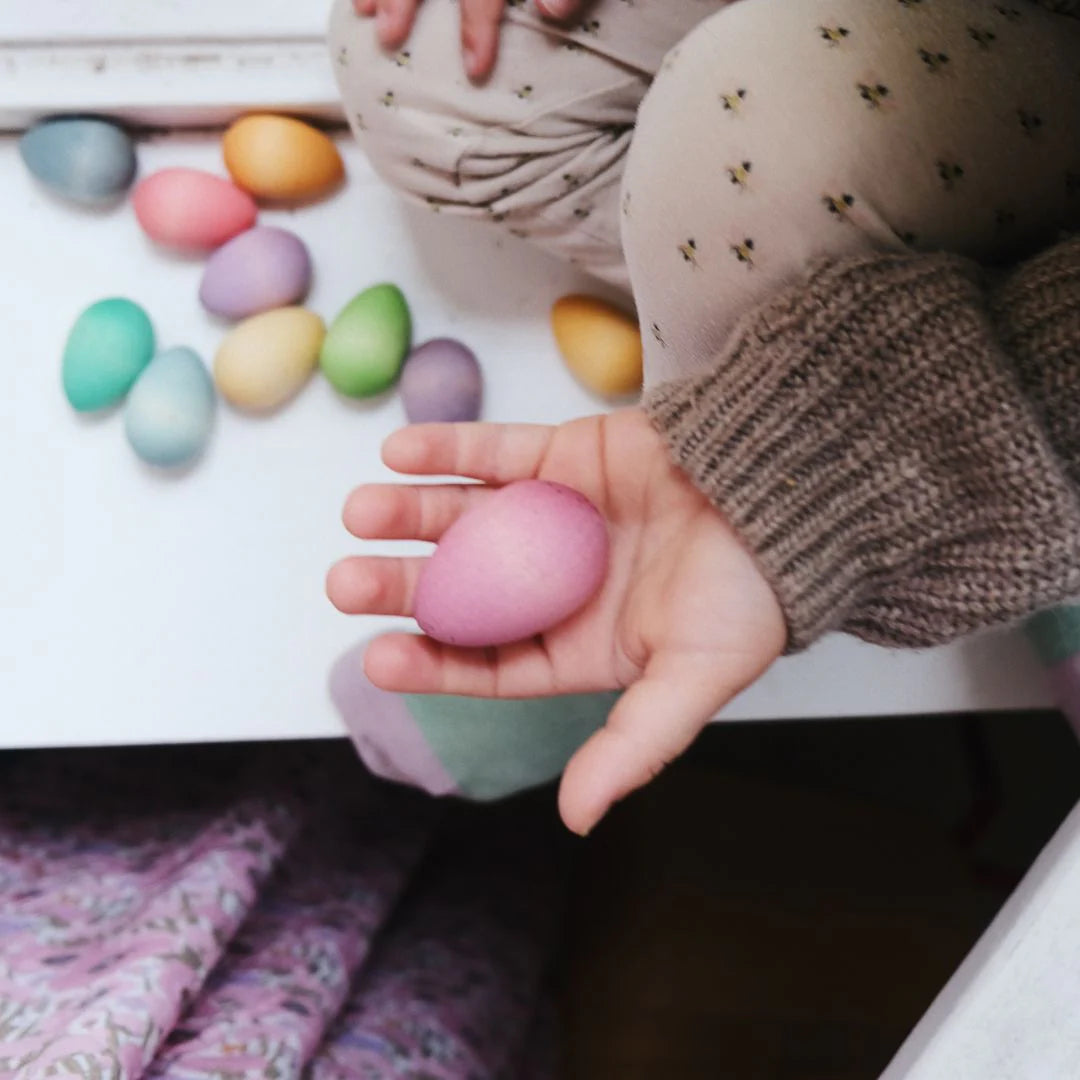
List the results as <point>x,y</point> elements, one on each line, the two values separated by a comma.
<point>524,560</point>
<point>441,382</point>
<point>258,270</point>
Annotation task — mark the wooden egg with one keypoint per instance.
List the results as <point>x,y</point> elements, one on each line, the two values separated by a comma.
<point>280,158</point>
<point>600,344</point>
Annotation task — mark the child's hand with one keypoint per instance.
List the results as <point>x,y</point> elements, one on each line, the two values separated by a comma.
<point>684,621</point>
<point>479,26</point>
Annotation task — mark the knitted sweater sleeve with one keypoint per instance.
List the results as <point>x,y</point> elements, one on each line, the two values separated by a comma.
<point>1037,314</point>
<point>869,440</point>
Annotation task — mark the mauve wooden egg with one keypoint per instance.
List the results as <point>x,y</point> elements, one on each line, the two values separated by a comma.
<point>441,382</point>
<point>522,561</point>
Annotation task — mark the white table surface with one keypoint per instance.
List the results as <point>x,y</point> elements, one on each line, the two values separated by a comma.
<point>141,608</point>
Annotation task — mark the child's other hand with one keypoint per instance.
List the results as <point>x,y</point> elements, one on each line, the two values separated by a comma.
<point>479,26</point>
<point>684,621</point>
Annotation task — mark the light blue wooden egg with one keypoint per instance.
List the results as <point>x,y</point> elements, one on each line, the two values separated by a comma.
<point>170,411</point>
<point>82,159</point>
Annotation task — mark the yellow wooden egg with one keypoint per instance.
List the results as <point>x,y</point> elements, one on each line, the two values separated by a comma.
<point>266,359</point>
<point>277,157</point>
<point>600,344</point>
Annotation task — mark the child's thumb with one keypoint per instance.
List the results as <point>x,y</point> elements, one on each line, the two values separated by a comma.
<point>657,719</point>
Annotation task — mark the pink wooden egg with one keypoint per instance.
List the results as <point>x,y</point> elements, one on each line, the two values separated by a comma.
<point>523,561</point>
<point>192,210</point>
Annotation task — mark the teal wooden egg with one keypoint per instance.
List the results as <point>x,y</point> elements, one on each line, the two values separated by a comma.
<point>367,343</point>
<point>169,413</point>
<point>83,159</point>
<point>108,347</point>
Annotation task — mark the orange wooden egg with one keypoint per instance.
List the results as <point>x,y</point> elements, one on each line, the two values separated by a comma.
<point>600,344</point>
<point>280,158</point>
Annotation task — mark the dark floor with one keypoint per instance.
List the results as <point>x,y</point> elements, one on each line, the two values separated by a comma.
<point>785,903</point>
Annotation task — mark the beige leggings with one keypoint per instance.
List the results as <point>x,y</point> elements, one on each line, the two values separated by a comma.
<point>705,152</point>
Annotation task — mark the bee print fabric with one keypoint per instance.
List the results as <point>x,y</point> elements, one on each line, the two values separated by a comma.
<point>708,153</point>
<point>540,148</point>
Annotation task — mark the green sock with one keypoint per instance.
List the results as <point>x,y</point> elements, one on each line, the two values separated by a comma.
<point>473,747</point>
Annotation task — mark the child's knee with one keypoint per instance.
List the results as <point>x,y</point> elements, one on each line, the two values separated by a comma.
<point>774,136</point>
<point>392,101</point>
<point>547,127</point>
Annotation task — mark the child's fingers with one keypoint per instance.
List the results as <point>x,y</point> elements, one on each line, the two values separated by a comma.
<point>393,21</point>
<point>374,585</point>
<point>559,9</point>
<point>413,664</point>
<point>493,453</point>
<point>654,722</point>
<point>480,35</point>
<point>397,512</point>
<point>364,7</point>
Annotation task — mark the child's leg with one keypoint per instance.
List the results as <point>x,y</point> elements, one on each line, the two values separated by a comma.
<point>480,749</point>
<point>779,134</point>
<point>540,147</point>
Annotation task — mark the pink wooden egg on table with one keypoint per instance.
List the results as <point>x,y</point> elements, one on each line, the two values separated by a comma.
<point>524,560</point>
<point>191,210</point>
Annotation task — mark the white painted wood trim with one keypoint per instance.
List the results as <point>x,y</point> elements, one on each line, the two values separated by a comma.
<point>1012,1009</point>
<point>166,83</point>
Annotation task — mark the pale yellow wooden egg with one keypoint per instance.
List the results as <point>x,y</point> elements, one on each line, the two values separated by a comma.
<point>600,344</point>
<point>265,360</point>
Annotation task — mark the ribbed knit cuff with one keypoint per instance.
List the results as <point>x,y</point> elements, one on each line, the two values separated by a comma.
<point>1037,313</point>
<point>866,438</point>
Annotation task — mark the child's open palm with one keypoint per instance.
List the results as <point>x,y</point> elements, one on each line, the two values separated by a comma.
<point>684,620</point>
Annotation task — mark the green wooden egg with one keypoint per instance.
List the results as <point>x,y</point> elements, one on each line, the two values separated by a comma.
<point>367,343</point>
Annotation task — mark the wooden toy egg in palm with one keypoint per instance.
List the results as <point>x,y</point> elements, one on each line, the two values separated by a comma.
<point>525,559</point>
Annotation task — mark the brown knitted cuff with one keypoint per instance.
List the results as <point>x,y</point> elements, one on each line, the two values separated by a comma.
<point>866,438</point>
<point>1037,312</point>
